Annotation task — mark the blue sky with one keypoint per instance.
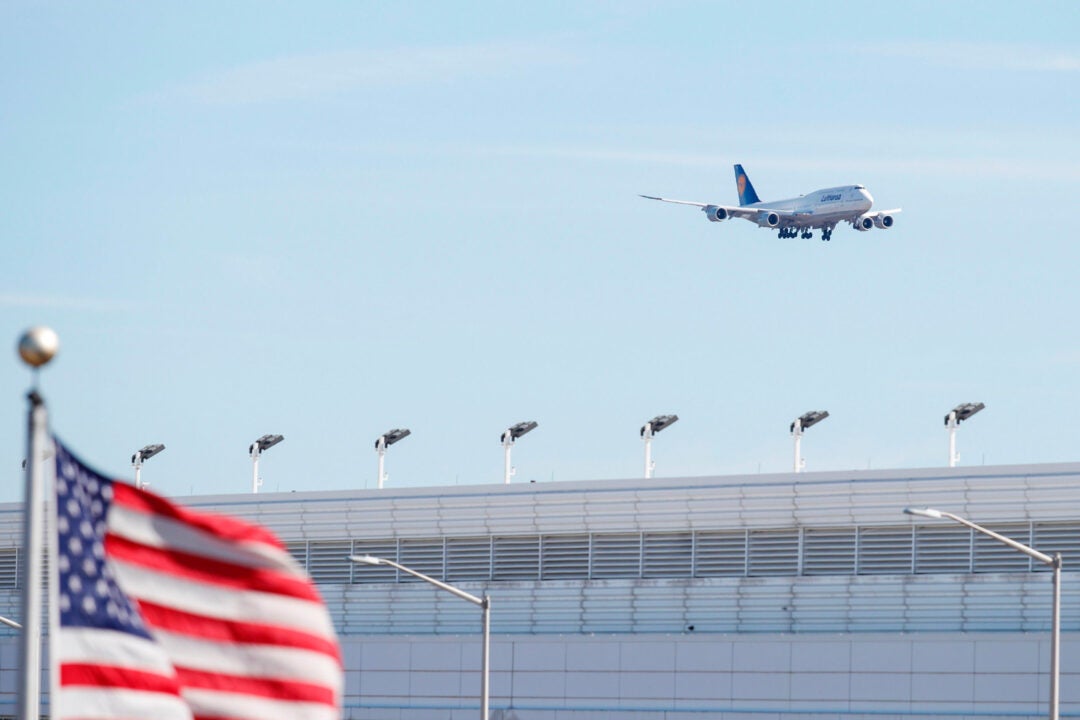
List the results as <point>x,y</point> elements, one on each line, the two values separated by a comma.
<point>327,220</point>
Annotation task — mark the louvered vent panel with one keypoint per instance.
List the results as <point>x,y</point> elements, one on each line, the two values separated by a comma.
<point>720,554</point>
<point>885,550</point>
<point>424,555</point>
<point>829,551</point>
<point>616,556</point>
<point>1064,538</point>
<point>942,549</point>
<point>564,557</point>
<point>668,555</point>
<point>516,558</point>
<point>468,558</point>
<point>328,561</point>
<point>385,549</point>
<point>773,552</point>
<point>992,556</point>
<point>9,568</point>
<point>298,549</point>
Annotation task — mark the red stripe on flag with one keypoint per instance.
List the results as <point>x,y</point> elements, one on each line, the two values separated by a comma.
<point>76,674</point>
<point>221,526</point>
<point>161,617</point>
<point>286,690</point>
<point>207,570</point>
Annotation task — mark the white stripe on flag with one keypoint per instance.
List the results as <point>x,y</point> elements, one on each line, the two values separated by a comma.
<point>108,647</point>
<point>163,532</point>
<point>111,703</point>
<point>265,661</point>
<point>255,708</point>
<point>224,602</point>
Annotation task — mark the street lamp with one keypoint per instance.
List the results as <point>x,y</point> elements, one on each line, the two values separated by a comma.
<point>141,456</point>
<point>1054,563</point>
<point>956,416</point>
<point>649,429</point>
<point>384,441</point>
<point>255,450</point>
<point>507,439</point>
<point>484,603</point>
<point>800,424</point>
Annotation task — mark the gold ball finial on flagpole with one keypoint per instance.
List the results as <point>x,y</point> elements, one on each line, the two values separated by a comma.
<point>38,346</point>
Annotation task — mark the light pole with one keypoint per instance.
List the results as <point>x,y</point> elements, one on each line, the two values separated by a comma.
<point>956,416</point>
<point>508,437</point>
<point>801,423</point>
<point>484,603</point>
<point>384,441</point>
<point>255,450</point>
<point>1054,563</point>
<point>649,429</point>
<point>141,456</point>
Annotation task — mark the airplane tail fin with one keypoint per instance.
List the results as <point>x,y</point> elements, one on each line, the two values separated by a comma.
<point>747,195</point>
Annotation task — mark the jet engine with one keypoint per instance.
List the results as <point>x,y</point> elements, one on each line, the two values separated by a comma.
<point>716,214</point>
<point>863,223</point>
<point>883,222</point>
<point>768,219</point>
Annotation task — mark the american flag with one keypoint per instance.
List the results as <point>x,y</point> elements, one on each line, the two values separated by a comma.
<point>169,613</point>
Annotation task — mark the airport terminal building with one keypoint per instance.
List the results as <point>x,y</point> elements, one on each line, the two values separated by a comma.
<point>714,598</point>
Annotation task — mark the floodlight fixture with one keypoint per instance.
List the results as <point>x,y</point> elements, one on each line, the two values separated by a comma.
<point>807,419</point>
<point>515,431</point>
<point>649,429</point>
<point>265,443</point>
<point>141,456</point>
<point>952,420</point>
<point>963,411</point>
<point>384,441</point>
<point>657,424</point>
<point>507,439</point>
<point>924,512</point>
<point>255,450</point>
<point>390,437</point>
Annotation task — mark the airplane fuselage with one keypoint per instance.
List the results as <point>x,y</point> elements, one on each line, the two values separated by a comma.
<point>821,208</point>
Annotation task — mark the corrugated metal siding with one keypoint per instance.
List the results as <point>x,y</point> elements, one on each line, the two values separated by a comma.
<point>818,552</point>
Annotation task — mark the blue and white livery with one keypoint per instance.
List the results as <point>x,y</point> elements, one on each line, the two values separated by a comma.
<point>822,209</point>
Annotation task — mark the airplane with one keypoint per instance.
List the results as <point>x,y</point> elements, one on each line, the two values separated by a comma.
<point>820,209</point>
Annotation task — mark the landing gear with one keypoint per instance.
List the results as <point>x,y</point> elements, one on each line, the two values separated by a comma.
<point>807,234</point>
<point>789,232</point>
<point>826,233</point>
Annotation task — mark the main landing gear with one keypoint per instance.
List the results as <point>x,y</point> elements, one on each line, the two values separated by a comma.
<point>805,233</point>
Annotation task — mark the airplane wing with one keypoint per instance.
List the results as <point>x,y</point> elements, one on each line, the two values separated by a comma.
<point>678,202</point>
<point>885,212</point>
<point>753,213</point>
<point>732,211</point>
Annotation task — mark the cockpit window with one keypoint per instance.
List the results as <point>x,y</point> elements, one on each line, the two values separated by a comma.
<point>860,187</point>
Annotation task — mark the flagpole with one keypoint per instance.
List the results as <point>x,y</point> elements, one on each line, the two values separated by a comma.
<point>37,346</point>
<point>29,700</point>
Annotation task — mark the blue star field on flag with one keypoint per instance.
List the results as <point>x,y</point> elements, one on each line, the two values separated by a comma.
<point>87,593</point>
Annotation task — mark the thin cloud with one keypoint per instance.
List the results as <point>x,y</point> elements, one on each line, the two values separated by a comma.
<point>61,302</point>
<point>979,56</point>
<point>301,77</point>
<point>956,167</point>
